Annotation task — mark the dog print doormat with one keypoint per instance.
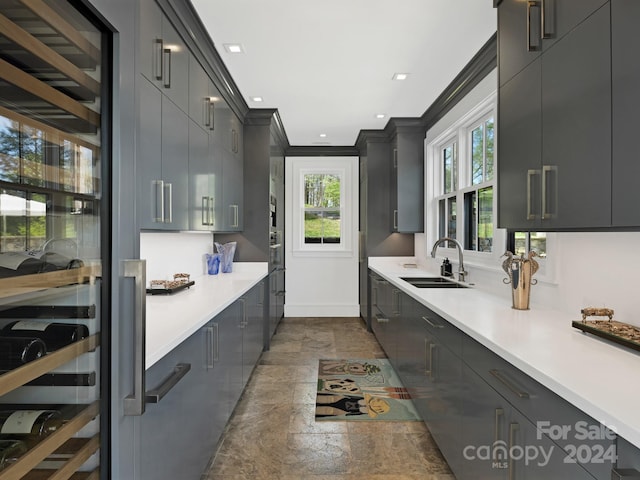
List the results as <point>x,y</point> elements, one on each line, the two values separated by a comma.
<point>362,390</point>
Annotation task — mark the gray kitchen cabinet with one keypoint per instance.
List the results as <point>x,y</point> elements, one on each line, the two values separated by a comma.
<point>525,29</point>
<point>555,135</point>
<point>228,140</point>
<point>162,161</point>
<point>201,95</point>
<point>252,329</point>
<point>625,37</point>
<point>163,56</point>
<point>375,237</point>
<point>406,188</point>
<point>385,314</point>
<point>201,180</point>
<point>182,415</point>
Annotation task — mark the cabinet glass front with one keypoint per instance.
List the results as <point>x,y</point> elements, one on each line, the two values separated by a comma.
<point>53,222</point>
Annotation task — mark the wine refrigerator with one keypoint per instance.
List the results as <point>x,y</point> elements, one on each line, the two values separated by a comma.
<point>55,238</point>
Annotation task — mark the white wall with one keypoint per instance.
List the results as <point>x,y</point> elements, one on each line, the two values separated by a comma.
<point>582,269</point>
<point>167,253</point>
<point>325,284</point>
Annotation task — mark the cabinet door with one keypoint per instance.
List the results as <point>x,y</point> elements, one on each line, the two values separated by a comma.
<point>200,109</point>
<point>150,43</point>
<point>169,427</point>
<point>175,78</point>
<point>232,192</point>
<point>625,37</point>
<point>562,16</point>
<point>409,189</point>
<point>149,156</point>
<point>393,187</point>
<point>520,150</point>
<point>576,127</point>
<point>252,335</point>
<point>201,199</point>
<point>175,165</point>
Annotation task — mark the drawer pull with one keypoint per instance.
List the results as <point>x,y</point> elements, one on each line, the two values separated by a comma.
<point>380,319</point>
<point>509,384</point>
<point>157,394</point>
<point>434,325</point>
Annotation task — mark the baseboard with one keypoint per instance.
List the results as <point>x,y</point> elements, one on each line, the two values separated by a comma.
<point>321,310</point>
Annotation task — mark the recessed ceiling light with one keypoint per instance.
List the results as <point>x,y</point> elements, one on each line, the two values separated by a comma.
<point>400,76</point>
<point>380,115</point>
<point>257,99</point>
<point>323,135</point>
<point>233,48</point>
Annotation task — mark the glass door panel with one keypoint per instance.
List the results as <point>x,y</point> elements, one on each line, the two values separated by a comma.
<point>53,222</point>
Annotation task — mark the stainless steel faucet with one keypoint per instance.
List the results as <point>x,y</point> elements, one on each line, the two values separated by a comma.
<point>461,271</point>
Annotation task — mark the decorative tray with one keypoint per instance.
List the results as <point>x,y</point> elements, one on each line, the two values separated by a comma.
<point>617,332</point>
<point>170,288</point>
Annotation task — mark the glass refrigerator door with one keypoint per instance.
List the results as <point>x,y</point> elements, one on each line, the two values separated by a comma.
<point>54,239</point>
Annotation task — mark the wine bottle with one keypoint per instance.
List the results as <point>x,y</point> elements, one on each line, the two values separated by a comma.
<point>54,335</point>
<point>29,425</point>
<point>10,451</point>
<point>16,351</point>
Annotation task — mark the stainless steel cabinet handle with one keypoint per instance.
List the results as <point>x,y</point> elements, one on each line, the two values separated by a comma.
<point>509,384</point>
<point>434,325</point>
<point>381,319</point>
<point>205,211</point>
<point>499,413</point>
<point>530,175</point>
<point>233,213</point>
<point>543,20</point>
<point>244,322</point>
<point>166,70</point>
<point>395,301</point>
<point>216,343</point>
<point>158,65</point>
<point>513,429</point>
<point>546,170</point>
<point>530,6</point>
<point>395,158</point>
<point>169,197</point>
<point>158,393</point>
<point>157,189</point>
<point>209,348</point>
<point>212,117</point>
<point>134,404</point>
<point>206,112</point>
<point>212,214</point>
<point>429,348</point>
<point>395,219</point>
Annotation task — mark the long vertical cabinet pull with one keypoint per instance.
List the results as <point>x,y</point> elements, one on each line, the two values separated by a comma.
<point>428,358</point>
<point>234,216</point>
<point>135,404</point>
<point>168,196</point>
<point>513,429</point>
<point>210,347</point>
<point>546,171</point>
<point>530,175</point>
<point>212,118</point>
<point>216,343</point>
<point>499,413</point>
<point>206,112</point>
<point>543,20</point>
<point>166,68</point>
<point>212,214</point>
<point>530,6</point>
<point>159,60</point>
<point>205,211</point>
<point>395,219</point>
<point>243,322</point>
<point>157,189</point>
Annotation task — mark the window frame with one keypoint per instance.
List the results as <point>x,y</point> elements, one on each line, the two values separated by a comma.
<point>299,247</point>
<point>460,131</point>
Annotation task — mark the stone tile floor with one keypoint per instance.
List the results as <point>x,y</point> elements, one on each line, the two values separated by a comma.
<point>273,434</point>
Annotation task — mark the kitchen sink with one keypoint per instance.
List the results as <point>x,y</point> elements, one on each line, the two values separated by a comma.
<point>432,282</point>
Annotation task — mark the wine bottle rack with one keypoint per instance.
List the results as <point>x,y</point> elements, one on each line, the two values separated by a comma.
<point>12,286</point>
<point>26,466</point>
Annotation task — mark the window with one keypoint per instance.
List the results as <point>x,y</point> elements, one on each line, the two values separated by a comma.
<point>520,243</point>
<point>324,206</point>
<point>322,215</point>
<point>466,193</point>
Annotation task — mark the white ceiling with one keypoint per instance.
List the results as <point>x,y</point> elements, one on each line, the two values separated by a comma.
<point>327,65</point>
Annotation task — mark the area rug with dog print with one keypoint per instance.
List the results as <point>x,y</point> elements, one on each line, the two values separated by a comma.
<point>362,390</point>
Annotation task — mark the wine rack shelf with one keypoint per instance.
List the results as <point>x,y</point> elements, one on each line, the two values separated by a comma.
<point>42,474</point>
<point>50,444</point>
<point>20,376</point>
<point>12,286</point>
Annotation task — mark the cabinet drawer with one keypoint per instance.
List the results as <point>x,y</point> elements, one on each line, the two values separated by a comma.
<point>583,438</point>
<point>441,329</point>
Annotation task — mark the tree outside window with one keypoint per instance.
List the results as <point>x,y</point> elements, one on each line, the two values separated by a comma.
<point>322,209</point>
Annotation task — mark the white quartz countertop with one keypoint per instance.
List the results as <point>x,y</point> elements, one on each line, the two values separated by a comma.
<point>171,319</point>
<point>598,377</point>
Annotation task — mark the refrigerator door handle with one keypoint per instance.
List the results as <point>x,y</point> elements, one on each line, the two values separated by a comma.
<point>135,404</point>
